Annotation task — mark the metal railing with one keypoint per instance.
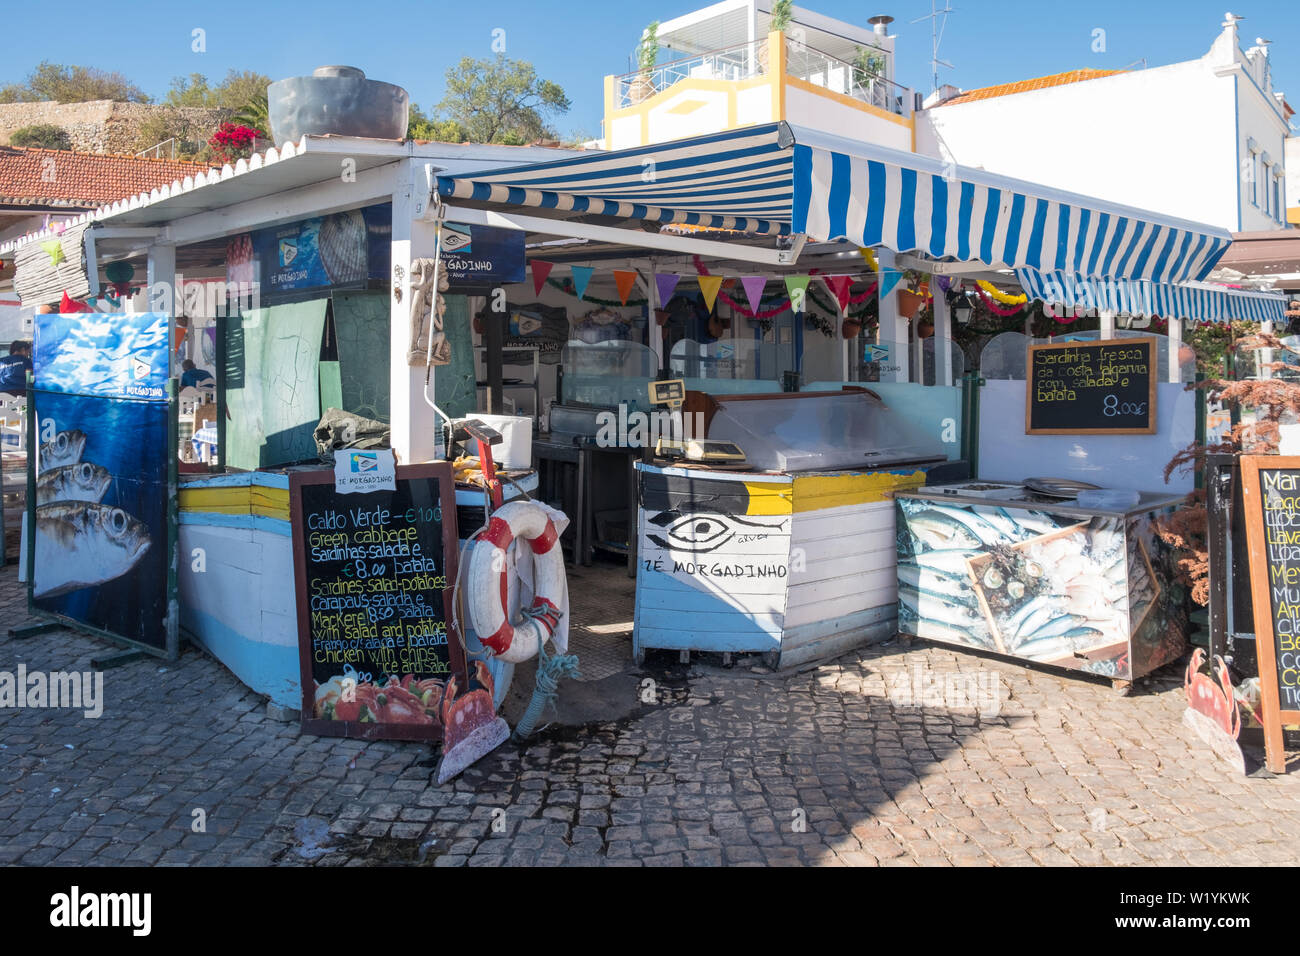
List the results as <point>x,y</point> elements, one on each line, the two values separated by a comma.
<point>156,152</point>
<point>840,76</point>
<point>740,62</point>
<point>747,60</point>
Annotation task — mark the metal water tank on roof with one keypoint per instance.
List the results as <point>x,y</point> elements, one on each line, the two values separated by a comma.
<point>336,100</point>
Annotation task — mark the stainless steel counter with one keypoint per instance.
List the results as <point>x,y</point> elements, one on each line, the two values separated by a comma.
<point>1003,495</point>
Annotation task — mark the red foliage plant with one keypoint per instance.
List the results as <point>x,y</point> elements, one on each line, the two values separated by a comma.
<point>231,142</point>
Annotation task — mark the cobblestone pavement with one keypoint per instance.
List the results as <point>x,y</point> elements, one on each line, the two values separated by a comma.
<point>834,766</point>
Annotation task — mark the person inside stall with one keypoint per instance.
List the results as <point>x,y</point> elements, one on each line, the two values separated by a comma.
<point>15,366</point>
<point>192,375</point>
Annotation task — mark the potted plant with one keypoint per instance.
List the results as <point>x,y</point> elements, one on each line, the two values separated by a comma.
<point>647,54</point>
<point>913,295</point>
<point>782,15</point>
<point>868,66</point>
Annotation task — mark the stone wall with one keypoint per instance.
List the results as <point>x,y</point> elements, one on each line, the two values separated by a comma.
<point>100,126</point>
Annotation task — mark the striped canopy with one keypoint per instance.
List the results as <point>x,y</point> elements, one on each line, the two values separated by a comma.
<point>1194,300</point>
<point>777,178</point>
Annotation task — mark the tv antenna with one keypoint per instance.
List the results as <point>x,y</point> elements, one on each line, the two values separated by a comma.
<point>936,37</point>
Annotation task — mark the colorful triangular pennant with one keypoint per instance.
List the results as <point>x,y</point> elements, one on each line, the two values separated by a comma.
<point>665,282</point>
<point>710,285</point>
<point>753,290</point>
<point>797,288</point>
<point>540,271</point>
<point>889,278</point>
<point>625,279</point>
<point>54,249</point>
<point>581,276</point>
<point>839,286</point>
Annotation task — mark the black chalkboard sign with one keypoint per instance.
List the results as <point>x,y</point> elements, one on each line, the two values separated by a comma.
<point>374,574</point>
<point>1271,495</point>
<point>1092,388</point>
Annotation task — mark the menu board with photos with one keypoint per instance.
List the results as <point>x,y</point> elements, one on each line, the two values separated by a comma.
<point>374,574</point>
<point>1084,388</point>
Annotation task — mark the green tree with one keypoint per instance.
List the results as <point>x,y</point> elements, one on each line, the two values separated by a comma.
<point>72,84</point>
<point>236,91</point>
<point>501,100</point>
<point>422,126</point>
<point>44,135</point>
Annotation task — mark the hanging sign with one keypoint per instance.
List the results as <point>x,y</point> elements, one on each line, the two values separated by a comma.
<point>374,573</point>
<point>340,249</point>
<point>478,258</point>
<point>1271,496</point>
<point>1092,388</point>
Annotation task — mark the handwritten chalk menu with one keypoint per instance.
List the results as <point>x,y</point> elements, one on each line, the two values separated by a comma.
<point>1088,388</point>
<point>1271,496</point>
<point>374,574</point>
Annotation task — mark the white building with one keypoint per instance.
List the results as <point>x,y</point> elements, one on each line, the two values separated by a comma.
<point>1202,140</point>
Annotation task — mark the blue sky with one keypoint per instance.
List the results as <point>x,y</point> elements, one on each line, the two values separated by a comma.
<point>575,43</point>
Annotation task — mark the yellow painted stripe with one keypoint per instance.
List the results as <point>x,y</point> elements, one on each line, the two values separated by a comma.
<point>258,500</point>
<point>768,498</point>
<point>847,101</point>
<point>820,492</point>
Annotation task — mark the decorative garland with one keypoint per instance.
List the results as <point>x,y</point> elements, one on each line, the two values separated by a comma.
<point>1003,297</point>
<point>993,307</point>
<point>566,286</point>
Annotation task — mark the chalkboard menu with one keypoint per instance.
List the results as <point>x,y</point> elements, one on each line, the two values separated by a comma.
<point>1271,495</point>
<point>1092,388</point>
<point>374,574</point>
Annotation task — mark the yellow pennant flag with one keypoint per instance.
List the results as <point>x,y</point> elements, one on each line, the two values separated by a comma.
<point>710,285</point>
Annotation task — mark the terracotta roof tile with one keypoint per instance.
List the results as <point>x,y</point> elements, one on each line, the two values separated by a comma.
<point>53,177</point>
<point>1024,86</point>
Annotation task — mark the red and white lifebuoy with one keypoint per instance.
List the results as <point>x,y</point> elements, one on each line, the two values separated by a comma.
<point>488,599</point>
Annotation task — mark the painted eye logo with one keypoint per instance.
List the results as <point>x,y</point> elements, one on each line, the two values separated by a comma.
<point>699,532</point>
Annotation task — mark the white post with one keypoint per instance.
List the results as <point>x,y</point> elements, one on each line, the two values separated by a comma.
<point>892,331</point>
<point>413,424</point>
<point>651,289</point>
<point>942,339</point>
<point>1107,324</point>
<point>161,290</point>
<point>1175,346</point>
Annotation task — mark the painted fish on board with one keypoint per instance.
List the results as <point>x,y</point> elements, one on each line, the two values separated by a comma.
<point>81,544</point>
<point>80,482</point>
<point>64,449</point>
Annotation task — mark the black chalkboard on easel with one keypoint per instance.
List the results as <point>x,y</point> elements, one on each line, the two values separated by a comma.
<point>1092,388</point>
<point>374,574</point>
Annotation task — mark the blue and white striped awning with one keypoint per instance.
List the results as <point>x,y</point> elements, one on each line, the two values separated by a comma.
<point>739,180</point>
<point>778,179</point>
<point>1189,300</point>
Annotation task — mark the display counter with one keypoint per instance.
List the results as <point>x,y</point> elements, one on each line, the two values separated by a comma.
<point>236,572</point>
<point>995,567</point>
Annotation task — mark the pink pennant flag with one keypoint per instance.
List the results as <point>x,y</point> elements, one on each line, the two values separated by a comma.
<point>753,290</point>
<point>665,282</point>
<point>839,285</point>
<point>540,271</point>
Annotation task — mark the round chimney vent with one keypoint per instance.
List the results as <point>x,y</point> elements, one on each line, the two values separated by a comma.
<point>336,100</point>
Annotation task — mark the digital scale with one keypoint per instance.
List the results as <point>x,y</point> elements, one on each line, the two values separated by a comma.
<point>672,392</point>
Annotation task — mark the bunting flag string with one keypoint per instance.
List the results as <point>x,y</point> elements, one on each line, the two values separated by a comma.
<point>839,286</point>
<point>753,286</point>
<point>889,279</point>
<point>665,283</point>
<point>581,276</point>
<point>709,286</point>
<point>624,279</point>
<point>540,271</point>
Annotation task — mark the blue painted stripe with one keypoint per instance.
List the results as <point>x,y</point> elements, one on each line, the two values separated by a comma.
<point>964,211</point>
<point>1062,236</point>
<point>874,230</point>
<point>938,216</point>
<point>1081,241</point>
<point>839,195</point>
<point>1014,224</point>
<point>1033,254</point>
<point>990,225</point>
<point>907,209</point>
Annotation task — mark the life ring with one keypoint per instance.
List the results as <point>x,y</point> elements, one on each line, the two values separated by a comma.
<point>488,587</point>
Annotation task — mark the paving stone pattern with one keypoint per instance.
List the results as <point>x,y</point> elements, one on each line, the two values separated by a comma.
<point>833,767</point>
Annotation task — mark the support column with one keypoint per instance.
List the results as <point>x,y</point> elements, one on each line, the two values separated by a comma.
<point>942,339</point>
<point>162,292</point>
<point>892,331</point>
<point>413,421</point>
<point>1107,324</point>
<point>1175,346</point>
